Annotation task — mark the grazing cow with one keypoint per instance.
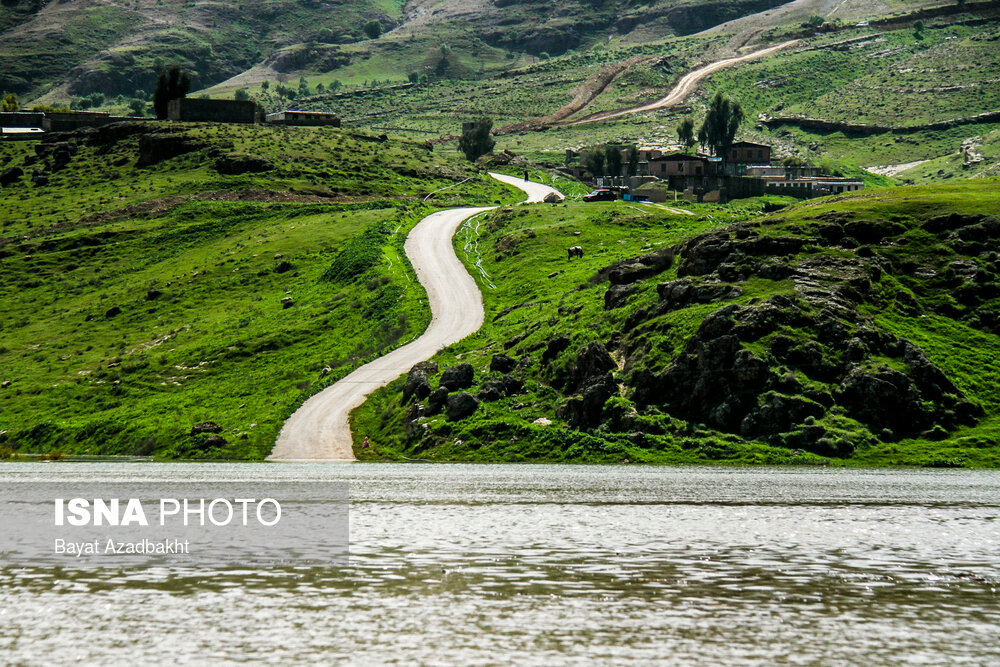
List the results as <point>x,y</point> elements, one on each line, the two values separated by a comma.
<point>575,251</point>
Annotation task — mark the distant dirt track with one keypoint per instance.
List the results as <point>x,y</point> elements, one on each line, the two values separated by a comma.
<point>688,83</point>
<point>319,430</point>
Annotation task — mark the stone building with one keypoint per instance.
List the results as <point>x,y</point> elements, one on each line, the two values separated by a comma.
<point>212,111</point>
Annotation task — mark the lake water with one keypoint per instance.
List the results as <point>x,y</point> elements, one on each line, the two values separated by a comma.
<point>486,565</point>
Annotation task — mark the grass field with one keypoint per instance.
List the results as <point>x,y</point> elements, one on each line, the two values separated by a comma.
<point>140,301</point>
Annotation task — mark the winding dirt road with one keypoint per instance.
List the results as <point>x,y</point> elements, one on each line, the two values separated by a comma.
<point>319,430</point>
<point>688,83</point>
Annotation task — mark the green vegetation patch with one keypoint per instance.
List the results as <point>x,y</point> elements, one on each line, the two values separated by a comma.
<point>853,330</point>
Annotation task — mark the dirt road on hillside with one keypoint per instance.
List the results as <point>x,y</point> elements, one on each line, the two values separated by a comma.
<point>687,85</point>
<point>319,430</point>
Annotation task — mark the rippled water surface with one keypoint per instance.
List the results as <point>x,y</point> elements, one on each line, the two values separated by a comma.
<point>467,564</point>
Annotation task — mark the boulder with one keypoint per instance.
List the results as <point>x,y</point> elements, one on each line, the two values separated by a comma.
<point>491,391</point>
<point>501,363</point>
<point>239,163</point>
<point>429,367</point>
<point>592,361</point>
<point>10,175</point>
<point>512,386</point>
<point>436,401</point>
<point>457,377</point>
<point>416,385</point>
<point>552,198</point>
<point>585,410</point>
<point>111,312</point>
<point>205,427</point>
<point>61,156</point>
<point>155,148</point>
<point>213,441</point>
<point>616,296</point>
<point>555,346</point>
<point>460,405</point>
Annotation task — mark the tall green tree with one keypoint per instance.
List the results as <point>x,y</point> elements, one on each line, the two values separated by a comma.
<point>171,85</point>
<point>476,140</point>
<point>613,159</point>
<point>593,160</point>
<point>721,124</point>
<point>9,103</point>
<point>685,133</point>
<point>632,159</point>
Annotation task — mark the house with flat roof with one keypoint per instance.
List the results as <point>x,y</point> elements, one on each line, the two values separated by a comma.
<point>309,118</point>
<point>748,152</point>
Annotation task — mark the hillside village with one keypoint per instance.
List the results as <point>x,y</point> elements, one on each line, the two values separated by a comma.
<point>744,169</point>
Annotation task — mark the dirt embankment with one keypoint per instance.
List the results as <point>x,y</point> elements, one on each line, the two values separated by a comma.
<point>861,129</point>
<point>584,94</point>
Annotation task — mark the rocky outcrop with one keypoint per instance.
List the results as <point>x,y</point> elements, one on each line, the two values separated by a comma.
<point>240,163</point>
<point>683,293</point>
<point>720,382</point>
<point>638,268</point>
<point>589,382</point>
<point>10,175</point>
<point>866,129</point>
<point>205,427</point>
<point>155,148</point>
<point>417,385</point>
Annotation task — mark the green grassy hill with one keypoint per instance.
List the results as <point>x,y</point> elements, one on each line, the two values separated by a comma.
<point>55,51</point>
<point>144,273</point>
<point>883,73</point>
<point>76,47</point>
<point>860,329</point>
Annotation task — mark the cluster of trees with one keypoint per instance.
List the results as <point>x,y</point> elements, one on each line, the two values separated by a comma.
<point>477,141</point>
<point>721,124</point>
<point>609,159</point>
<point>719,129</point>
<point>9,103</point>
<point>88,102</point>
<point>172,84</point>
